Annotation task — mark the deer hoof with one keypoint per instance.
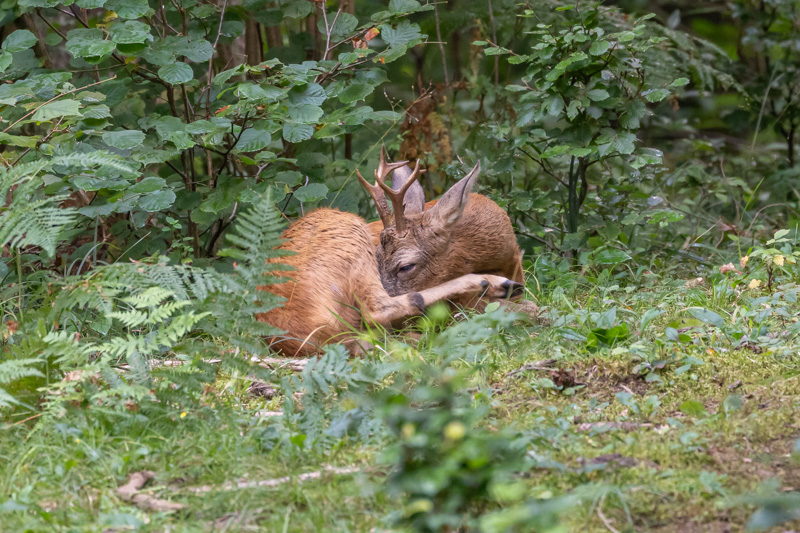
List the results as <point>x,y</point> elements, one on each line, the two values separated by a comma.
<point>513,289</point>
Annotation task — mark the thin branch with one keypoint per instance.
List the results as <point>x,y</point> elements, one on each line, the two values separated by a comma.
<point>60,34</point>
<point>541,164</point>
<point>328,29</point>
<point>494,36</point>
<point>44,139</point>
<point>441,44</point>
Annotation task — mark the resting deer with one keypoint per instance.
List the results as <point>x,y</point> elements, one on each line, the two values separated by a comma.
<point>336,286</point>
<point>420,245</point>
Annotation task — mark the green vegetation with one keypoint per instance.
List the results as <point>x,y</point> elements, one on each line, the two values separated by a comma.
<point>151,151</point>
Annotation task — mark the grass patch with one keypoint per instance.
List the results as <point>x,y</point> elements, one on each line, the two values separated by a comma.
<point>650,432</point>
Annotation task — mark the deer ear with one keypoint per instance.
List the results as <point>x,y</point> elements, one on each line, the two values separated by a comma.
<point>414,199</point>
<point>450,206</point>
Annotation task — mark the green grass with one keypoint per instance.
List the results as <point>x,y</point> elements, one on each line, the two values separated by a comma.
<point>705,438</point>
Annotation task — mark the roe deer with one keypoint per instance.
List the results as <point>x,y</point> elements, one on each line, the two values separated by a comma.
<point>335,286</point>
<point>420,245</point>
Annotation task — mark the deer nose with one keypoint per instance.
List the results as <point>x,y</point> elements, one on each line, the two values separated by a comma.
<point>513,288</point>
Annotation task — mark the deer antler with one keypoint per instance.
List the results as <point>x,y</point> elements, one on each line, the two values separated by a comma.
<point>396,198</point>
<point>376,191</point>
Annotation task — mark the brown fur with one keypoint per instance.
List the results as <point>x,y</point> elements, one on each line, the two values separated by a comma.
<point>336,274</point>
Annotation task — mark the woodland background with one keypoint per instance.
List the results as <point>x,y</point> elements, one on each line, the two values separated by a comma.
<point>151,152</point>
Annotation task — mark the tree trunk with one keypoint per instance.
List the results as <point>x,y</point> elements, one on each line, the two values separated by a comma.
<point>253,47</point>
<point>573,203</point>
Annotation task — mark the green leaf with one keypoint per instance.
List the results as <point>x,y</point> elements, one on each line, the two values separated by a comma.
<point>18,140</point>
<point>607,318</point>
<point>297,8</point>
<point>554,105</point>
<point>599,48</point>
<point>129,31</point>
<point>355,92</point>
<point>401,35</point>
<point>627,36</point>
<point>598,95</point>
<point>157,201</point>
<point>5,61</point>
<point>90,4</point>
<point>124,139</point>
<point>197,51</point>
<point>253,140</point>
<point>304,113</point>
<point>656,95</point>
<point>732,402</point>
<point>780,234</point>
<point>344,26</point>
<point>693,408</point>
<point>610,256</point>
<point>709,317</point>
<point>88,43</point>
<point>149,184</point>
<point>18,41</point>
<point>97,111</point>
<point>313,192</point>
<point>399,7</point>
<point>624,143</point>
<point>295,133</point>
<point>61,108</point>
<point>556,151</point>
<point>176,73</point>
<point>580,152</point>
<point>313,93</point>
<point>129,9</point>
<point>680,82</point>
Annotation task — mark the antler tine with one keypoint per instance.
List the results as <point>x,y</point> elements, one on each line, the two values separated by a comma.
<point>379,198</point>
<point>397,196</point>
<point>384,168</point>
<point>376,191</point>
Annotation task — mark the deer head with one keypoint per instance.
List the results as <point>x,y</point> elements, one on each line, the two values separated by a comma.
<point>415,253</point>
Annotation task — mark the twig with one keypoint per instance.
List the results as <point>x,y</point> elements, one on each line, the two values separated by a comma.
<point>494,36</point>
<point>764,105</point>
<point>44,139</point>
<point>130,492</point>
<point>541,164</point>
<point>273,482</point>
<point>441,44</point>
<point>605,520</point>
<point>37,415</point>
<point>60,34</point>
<point>328,29</point>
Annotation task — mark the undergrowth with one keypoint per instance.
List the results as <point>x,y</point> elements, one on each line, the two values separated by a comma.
<point>644,402</point>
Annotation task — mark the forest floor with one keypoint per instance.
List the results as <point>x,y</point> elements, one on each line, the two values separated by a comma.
<point>647,390</point>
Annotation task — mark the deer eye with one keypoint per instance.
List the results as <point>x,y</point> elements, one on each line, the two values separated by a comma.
<point>406,268</point>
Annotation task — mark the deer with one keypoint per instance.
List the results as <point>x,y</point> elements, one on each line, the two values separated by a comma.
<point>419,245</point>
<point>335,289</point>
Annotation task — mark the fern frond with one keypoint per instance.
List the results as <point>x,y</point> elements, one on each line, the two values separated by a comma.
<point>96,158</point>
<point>150,297</point>
<point>17,369</point>
<point>27,221</point>
<point>130,319</point>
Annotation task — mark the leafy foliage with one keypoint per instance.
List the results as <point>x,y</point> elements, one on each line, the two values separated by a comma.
<point>138,138</point>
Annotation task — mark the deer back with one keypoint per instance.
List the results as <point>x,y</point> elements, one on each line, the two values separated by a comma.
<point>334,275</point>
